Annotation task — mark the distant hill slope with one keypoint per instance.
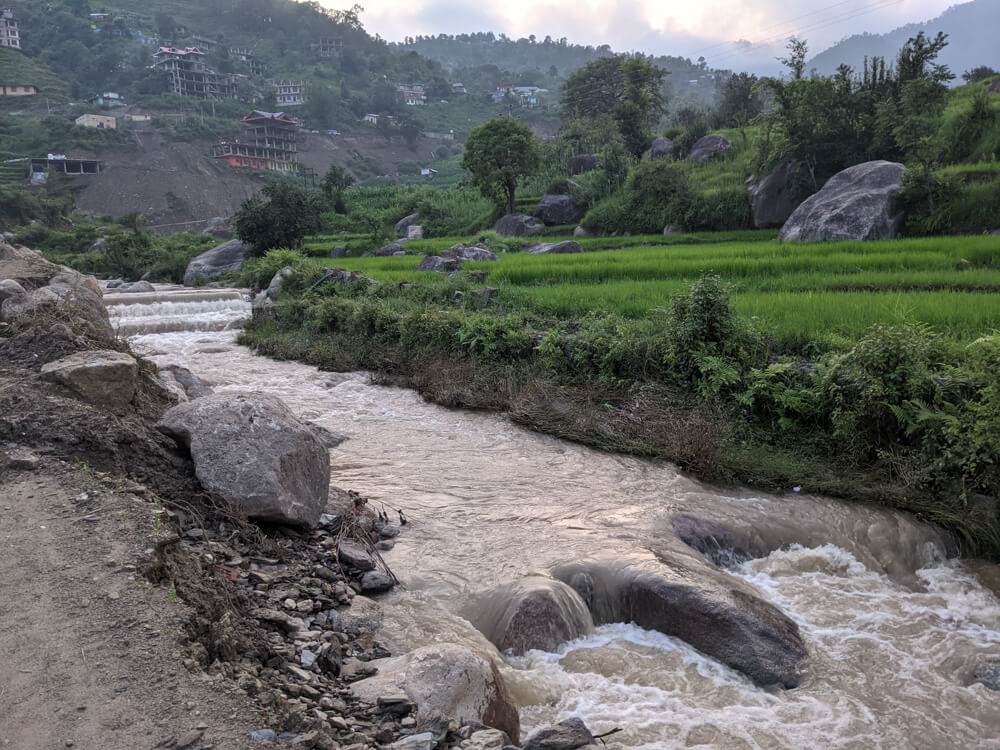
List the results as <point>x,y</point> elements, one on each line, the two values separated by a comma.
<point>972,40</point>
<point>18,69</point>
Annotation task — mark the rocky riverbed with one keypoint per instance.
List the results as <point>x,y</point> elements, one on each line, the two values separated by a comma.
<point>196,627</point>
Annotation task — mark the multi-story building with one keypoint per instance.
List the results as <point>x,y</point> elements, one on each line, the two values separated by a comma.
<point>189,76</point>
<point>327,47</point>
<point>412,93</point>
<point>268,141</point>
<point>288,94</point>
<point>9,35</point>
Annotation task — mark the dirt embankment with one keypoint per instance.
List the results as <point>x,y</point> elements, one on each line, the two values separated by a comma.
<point>178,185</point>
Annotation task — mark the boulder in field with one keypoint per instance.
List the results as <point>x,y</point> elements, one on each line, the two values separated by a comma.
<point>581,231</point>
<point>405,223</point>
<point>448,679</point>
<point>469,252</point>
<point>274,287</point>
<point>391,249</point>
<point>535,612</point>
<point>439,264</point>
<point>555,248</point>
<point>229,256</point>
<point>661,148</point>
<point>709,147</point>
<point>556,210</point>
<point>517,225</point>
<point>98,246</point>
<point>218,227</point>
<point>858,203</point>
<point>773,199</point>
<point>251,452</point>
<point>102,378</point>
<point>682,596</point>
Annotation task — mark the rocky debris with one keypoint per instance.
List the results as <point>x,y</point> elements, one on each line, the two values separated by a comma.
<point>555,248</point>
<point>855,204</point>
<point>17,458</point>
<point>517,225</point>
<point>581,231</point>
<point>556,210</point>
<point>392,249</point>
<point>535,612</point>
<point>274,287</point>
<point>571,734</point>
<point>98,246</point>
<point>105,379</point>
<point>229,256</point>
<point>439,264</point>
<point>582,163</point>
<point>219,227</point>
<point>775,198</point>
<point>183,383</point>
<point>709,147</point>
<point>405,223</point>
<point>486,739</point>
<point>415,232</point>
<point>661,148</point>
<point>448,679</point>
<point>722,544</point>
<point>253,453</point>
<point>684,597</point>
<point>451,260</point>
<point>71,295</point>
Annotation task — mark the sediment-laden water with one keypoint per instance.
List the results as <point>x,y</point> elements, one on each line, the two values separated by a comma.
<point>893,627</point>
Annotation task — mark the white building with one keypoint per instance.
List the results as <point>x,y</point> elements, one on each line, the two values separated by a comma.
<point>9,36</point>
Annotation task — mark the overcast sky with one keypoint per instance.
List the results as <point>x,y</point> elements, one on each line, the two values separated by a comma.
<point>738,34</point>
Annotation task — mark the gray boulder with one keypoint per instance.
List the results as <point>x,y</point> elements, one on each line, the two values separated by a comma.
<point>274,288</point>
<point>661,148</point>
<point>470,252</point>
<point>855,204</point>
<point>414,232</point>
<point>708,147</point>
<point>184,383</point>
<point>250,451</point>
<point>403,224</point>
<point>448,679</point>
<point>533,613</point>
<point>338,252</point>
<point>555,248</point>
<point>439,264</point>
<point>10,288</point>
<point>98,245</point>
<point>219,228</point>
<point>103,378</point>
<point>682,596</point>
<point>726,546</point>
<point>229,256</point>
<point>571,734</point>
<point>136,287</point>
<point>556,209</point>
<point>390,250</point>
<point>987,672</point>
<point>581,231</point>
<point>582,163</point>
<point>517,225</point>
<point>774,199</point>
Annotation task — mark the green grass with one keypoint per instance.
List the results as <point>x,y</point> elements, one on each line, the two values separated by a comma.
<point>824,295</point>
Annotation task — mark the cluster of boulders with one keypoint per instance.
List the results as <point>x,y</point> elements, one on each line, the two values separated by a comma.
<point>451,260</point>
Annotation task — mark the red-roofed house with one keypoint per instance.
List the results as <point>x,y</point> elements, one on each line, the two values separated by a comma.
<point>268,141</point>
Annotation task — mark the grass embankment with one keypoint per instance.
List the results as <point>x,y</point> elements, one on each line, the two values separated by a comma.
<point>863,370</point>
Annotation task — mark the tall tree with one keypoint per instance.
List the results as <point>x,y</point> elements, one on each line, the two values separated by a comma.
<point>499,154</point>
<point>281,218</point>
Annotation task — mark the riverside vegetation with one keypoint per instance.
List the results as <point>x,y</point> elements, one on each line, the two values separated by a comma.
<point>853,369</point>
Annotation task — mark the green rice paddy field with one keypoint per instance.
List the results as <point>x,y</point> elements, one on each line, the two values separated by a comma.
<point>816,295</point>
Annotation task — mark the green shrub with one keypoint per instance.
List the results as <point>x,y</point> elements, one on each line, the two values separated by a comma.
<point>258,272</point>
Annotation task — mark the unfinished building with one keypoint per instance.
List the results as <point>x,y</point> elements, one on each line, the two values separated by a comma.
<point>268,141</point>
<point>189,76</point>
<point>9,35</point>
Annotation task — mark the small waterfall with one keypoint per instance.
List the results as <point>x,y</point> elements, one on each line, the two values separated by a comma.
<point>177,309</point>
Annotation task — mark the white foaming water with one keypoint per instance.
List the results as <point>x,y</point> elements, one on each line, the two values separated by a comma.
<point>894,632</point>
<point>186,310</point>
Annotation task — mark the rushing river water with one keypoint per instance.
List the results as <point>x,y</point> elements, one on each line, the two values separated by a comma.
<point>893,627</point>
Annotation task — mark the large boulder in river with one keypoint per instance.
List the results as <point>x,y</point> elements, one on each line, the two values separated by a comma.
<point>517,225</point>
<point>448,679</point>
<point>556,209</point>
<point>684,597</point>
<point>570,734</point>
<point>535,612</point>
<point>708,147</point>
<point>103,378</point>
<point>250,451</point>
<point>858,203</point>
<point>229,256</point>
<point>773,199</point>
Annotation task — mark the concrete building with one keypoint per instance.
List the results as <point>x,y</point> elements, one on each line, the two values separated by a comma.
<point>17,90</point>
<point>412,93</point>
<point>268,141</point>
<point>288,94</point>
<point>189,76</point>
<point>97,121</point>
<point>9,35</point>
